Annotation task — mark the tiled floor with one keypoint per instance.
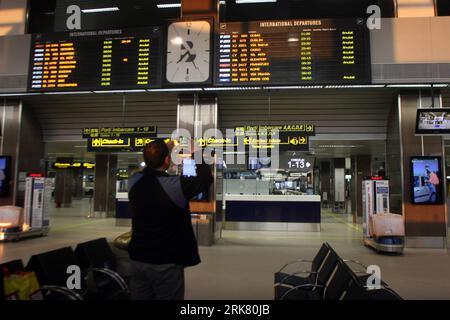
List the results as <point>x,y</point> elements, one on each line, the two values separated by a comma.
<point>241,264</point>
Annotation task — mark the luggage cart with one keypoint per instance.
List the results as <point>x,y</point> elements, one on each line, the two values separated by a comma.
<point>384,247</point>
<point>15,234</point>
<point>376,204</point>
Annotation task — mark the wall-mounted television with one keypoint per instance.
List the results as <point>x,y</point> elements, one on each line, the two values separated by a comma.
<point>5,175</point>
<point>433,121</point>
<point>256,163</point>
<point>427,184</point>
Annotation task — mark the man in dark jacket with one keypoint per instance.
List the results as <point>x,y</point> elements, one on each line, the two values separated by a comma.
<point>163,241</point>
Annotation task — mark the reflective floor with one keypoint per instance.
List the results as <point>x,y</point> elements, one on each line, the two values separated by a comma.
<point>241,264</point>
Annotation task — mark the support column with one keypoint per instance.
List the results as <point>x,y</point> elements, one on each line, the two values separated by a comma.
<point>105,185</point>
<point>425,225</point>
<point>192,8</point>
<point>198,113</point>
<point>361,168</point>
<point>63,188</point>
<point>11,114</point>
<point>78,183</point>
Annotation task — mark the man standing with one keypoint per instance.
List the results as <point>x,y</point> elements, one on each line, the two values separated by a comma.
<point>163,241</point>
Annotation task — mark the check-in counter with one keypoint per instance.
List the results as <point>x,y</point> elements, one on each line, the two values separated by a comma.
<point>272,212</point>
<point>122,211</point>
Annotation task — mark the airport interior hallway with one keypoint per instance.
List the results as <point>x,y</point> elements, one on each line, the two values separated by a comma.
<point>241,265</point>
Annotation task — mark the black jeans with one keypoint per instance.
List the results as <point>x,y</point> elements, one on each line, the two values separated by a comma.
<point>156,282</point>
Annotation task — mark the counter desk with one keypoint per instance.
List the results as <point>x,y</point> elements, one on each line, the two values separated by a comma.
<point>272,212</point>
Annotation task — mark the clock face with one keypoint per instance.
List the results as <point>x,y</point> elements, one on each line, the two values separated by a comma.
<point>188,52</point>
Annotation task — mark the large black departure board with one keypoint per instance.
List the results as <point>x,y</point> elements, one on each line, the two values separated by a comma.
<point>293,52</point>
<point>96,60</point>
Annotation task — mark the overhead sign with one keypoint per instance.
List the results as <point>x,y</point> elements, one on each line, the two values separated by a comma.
<point>305,129</point>
<point>73,165</point>
<point>290,137</point>
<point>120,132</point>
<point>289,142</point>
<point>120,59</point>
<point>119,144</point>
<point>293,52</point>
<point>297,162</point>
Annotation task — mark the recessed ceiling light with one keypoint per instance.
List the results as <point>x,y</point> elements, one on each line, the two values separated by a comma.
<point>168,5</point>
<point>96,10</point>
<point>254,1</point>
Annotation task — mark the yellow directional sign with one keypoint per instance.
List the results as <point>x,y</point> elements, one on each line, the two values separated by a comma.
<point>111,143</point>
<point>119,132</point>
<point>263,129</point>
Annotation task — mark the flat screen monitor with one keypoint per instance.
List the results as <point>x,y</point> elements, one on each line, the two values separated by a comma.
<point>96,60</point>
<point>426,180</point>
<point>5,172</point>
<point>255,163</point>
<point>433,121</point>
<point>293,52</point>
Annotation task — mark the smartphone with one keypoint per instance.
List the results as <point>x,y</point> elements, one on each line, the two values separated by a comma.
<point>189,168</point>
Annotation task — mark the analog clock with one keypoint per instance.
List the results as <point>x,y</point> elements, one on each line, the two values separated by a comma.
<point>188,52</point>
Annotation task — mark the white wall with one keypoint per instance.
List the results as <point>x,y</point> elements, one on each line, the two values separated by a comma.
<point>415,8</point>
<point>411,40</point>
<point>12,17</point>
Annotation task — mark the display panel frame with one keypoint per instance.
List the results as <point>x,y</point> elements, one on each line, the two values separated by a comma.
<point>431,131</point>
<point>425,191</point>
<point>366,77</point>
<point>154,69</point>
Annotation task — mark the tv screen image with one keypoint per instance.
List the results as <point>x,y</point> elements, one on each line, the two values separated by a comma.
<point>433,121</point>
<point>4,175</point>
<point>426,180</point>
<point>255,163</point>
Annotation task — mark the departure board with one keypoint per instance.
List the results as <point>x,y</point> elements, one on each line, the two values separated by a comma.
<point>96,60</point>
<point>293,52</point>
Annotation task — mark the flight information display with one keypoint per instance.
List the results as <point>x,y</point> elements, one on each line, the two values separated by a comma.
<point>96,60</point>
<point>293,52</point>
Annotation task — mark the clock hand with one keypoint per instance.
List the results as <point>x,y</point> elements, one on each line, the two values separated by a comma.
<point>183,56</point>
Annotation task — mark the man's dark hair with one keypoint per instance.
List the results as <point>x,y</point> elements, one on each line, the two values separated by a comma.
<point>155,153</point>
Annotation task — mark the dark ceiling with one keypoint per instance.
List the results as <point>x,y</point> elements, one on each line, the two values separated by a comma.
<point>135,13</point>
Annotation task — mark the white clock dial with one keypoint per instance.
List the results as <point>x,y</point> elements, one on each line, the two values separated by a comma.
<point>188,52</point>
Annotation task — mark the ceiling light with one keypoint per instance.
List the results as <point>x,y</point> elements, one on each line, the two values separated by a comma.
<point>168,5</point>
<point>254,1</point>
<point>339,146</point>
<point>96,10</point>
<point>175,89</point>
<point>68,92</point>
<point>293,87</point>
<point>409,86</point>
<point>232,88</point>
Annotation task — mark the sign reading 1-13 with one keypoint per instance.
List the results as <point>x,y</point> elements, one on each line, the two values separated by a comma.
<point>96,60</point>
